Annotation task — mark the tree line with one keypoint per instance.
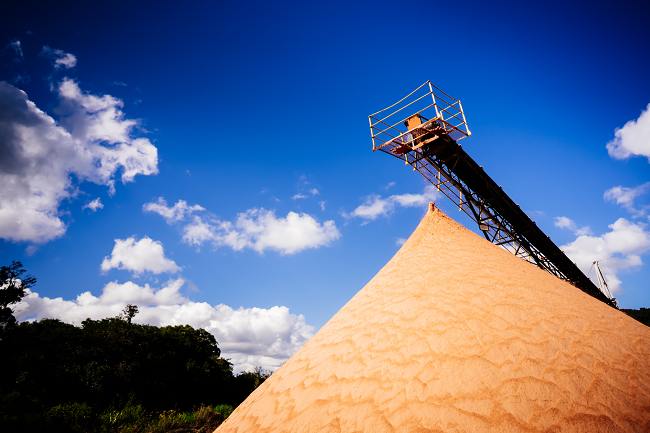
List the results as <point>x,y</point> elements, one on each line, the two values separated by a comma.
<point>107,363</point>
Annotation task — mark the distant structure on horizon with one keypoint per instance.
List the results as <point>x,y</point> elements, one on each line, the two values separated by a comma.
<point>423,129</point>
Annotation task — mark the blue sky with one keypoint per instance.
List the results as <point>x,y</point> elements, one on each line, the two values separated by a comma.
<point>250,121</point>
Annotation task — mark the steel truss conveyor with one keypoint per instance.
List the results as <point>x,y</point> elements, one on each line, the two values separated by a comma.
<point>422,130</point>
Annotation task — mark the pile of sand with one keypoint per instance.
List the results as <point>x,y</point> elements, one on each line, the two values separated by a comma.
<point>455,334</point>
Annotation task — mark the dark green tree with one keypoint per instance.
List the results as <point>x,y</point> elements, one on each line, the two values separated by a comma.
<point>110,363</point>
<point>247,382</point>
<point>129,313</point>
<point>13,286</point>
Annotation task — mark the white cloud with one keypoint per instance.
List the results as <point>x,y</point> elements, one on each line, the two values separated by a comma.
<point>376,206</point>
<point>312,191</point>
<point>389,185</point>
<point>198,232</point>
<point>171,214</point>
<point>400,241</point>
<point>322,205</point>
<point>615,250</point>
<point>259,229</point>
<point>60,57</point>
<point>249,336</point>
<point>17,46</point>
<point>95,119</point>
<point>567,223</point>
<point>145,255</point>
<point>39,157</point>
<point>94,205</point>
<point>625,197</point>
<point>632,139</point>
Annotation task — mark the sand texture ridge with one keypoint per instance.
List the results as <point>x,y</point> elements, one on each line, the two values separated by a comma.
<point>455,334</point>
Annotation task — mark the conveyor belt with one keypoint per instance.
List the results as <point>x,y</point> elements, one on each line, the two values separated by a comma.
<point>486,202</point>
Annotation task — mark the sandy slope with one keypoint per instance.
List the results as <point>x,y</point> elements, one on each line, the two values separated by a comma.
<point>455,334</point>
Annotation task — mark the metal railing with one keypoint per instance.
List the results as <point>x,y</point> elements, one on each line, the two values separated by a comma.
<point>427,101</point>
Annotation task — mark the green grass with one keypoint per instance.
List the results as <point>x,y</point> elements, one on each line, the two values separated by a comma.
<point>78,417</point>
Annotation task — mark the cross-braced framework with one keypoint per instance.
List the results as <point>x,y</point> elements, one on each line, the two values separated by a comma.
<point>422,129</point>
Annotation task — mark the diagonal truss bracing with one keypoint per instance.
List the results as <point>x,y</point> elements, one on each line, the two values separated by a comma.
<point>429,146</point>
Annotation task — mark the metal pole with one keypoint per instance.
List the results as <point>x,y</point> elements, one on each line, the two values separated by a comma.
<point>434,99</point>
<point>371,134</point>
